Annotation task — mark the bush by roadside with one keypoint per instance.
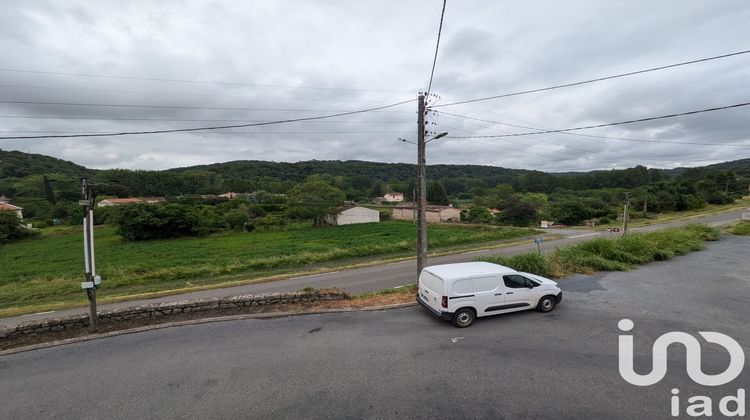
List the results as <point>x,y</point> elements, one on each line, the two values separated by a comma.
<point>619,254</point>
<point>741,228</point>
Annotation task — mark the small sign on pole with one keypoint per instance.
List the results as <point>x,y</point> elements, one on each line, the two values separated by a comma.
<point>538,242</point>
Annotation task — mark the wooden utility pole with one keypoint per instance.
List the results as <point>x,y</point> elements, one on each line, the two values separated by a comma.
<point>91,279</point>
<point>422,203</point>
<point>626,214</point>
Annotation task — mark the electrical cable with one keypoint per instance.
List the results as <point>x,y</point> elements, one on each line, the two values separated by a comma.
<point>107,76</point>
<point>598,79</point>
<point>437,45</point>
<point>180,130</point>
<point>621,123</point>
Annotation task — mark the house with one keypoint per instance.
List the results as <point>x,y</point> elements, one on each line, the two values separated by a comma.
<point>435,214</point>
<point>4,206</point>
<point>119,201</point>
<point>230,195</point>
<point>393,197</point>
<point>352,215</point>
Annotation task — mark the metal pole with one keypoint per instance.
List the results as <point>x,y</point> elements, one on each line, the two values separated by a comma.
<point>626,214</point>
<point>88,243</point>
<point>422,209</point>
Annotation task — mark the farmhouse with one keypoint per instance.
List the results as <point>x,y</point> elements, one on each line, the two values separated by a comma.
<point>10,207</point>
<point>353,215</point>
<point>394,197</point>
<point>119,201</point>
<point>435,214</point>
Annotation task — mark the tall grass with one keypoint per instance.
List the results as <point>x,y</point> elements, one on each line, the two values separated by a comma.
<point>742,228</point>
<point>619,254</point>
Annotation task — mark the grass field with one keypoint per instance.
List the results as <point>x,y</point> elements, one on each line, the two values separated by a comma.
<point>603,254</point>
<point>676,215</point>
<point>48,270</point>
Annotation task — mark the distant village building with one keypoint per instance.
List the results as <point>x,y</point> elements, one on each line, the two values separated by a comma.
<point>5,206</point>
<point>120,201</point>
<point>547,224</point>
<point>435,214</point>
<point>229,195</point>
<point>353,215</point>
<point>393,197</point>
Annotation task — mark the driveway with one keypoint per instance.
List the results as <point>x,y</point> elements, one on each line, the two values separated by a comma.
<point>404,363</point>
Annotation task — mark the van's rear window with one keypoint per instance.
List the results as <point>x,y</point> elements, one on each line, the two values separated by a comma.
<point>431,282</point>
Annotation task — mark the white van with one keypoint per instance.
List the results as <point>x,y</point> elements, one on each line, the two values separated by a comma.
<point>462,292</point>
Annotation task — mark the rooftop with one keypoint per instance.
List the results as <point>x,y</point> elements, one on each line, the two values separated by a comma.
<point>468,269</point>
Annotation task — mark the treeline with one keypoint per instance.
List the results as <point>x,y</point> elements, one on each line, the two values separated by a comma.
<point>48,188</point>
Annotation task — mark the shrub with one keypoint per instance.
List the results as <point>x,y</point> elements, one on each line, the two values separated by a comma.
<point>530,262</point>
<point>11,228</point>
<point>743,228</point>
<point>137,222</point>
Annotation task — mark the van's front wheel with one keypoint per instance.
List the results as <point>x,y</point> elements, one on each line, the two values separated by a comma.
<point>546,304</point>
<point>464,317</point>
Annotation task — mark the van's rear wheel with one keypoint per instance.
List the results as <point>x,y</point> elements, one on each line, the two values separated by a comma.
<point>464,317</point>
<point>546,304</point>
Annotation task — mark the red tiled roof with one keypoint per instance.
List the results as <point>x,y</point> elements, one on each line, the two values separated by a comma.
<point>9,207</point>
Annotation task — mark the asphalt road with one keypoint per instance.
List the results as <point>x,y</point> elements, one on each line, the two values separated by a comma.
<point>404,363</point>
<point>368,279</point>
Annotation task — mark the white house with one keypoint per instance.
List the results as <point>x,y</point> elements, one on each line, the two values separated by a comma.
<point>394,197</point>
<point>11,207</point>
<point>353,215</point>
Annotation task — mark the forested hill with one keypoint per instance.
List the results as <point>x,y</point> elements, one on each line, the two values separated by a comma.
<point>357,178</point>
<point>16,164</point>
<point>298,171</point>
<point>739,167</point>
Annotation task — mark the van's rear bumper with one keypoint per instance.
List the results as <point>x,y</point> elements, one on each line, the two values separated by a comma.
<point>440,314</point>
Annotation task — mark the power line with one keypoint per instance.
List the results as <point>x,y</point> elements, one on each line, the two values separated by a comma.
<point>54,117</point>
<point>595,136</point>
<point>598,79</point>
<point>209,82</point>
<point>437,45</point>
<point>544,152</point>
<point>621,123</point>
<point>227,132</point>
<point>168,106</point>
<point>178,130</point>
<point>174,93</point>
<point>485,126</point>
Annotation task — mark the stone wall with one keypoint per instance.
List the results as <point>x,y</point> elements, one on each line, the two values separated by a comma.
<point>169,309</point>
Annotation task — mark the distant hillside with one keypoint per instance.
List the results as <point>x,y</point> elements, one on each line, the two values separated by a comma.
<point>18,165</point>
<point>739,167</point>
<point>298,171</point>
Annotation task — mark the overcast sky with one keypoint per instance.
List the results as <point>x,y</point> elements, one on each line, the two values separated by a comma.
<point>294,59</point>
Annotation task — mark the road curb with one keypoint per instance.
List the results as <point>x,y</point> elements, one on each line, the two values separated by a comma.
<point>270,315</point>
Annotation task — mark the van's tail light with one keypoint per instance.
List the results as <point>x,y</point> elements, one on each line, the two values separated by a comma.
<point>445,302</point>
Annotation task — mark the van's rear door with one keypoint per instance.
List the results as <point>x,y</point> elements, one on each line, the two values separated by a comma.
<point>431,290</point>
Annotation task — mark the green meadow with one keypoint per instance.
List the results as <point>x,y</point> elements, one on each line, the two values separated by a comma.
<point>47,271</point>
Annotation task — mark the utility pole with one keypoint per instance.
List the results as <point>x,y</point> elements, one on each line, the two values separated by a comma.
<point>626,214</point>
<point>422,204</point>
<point>645,206</point>
<point>91,279</point>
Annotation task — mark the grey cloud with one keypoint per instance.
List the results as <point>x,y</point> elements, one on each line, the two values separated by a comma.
<point>383,52</point>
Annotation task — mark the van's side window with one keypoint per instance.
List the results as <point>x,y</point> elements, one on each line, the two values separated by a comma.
<point>514,281</point>
<point>485,284</point>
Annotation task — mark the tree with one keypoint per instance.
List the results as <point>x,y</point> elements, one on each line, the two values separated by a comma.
<point>11,228</point>
<point>436,193</point>
<point>313,200</point>
<point>516,212</point>
<point>570,212</point>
